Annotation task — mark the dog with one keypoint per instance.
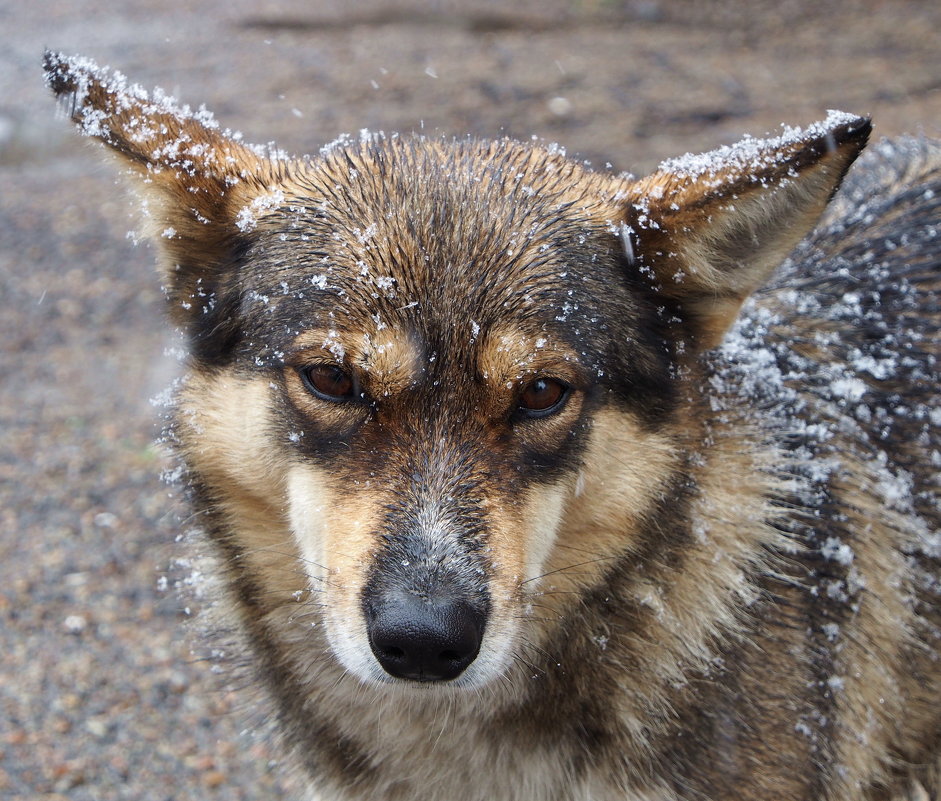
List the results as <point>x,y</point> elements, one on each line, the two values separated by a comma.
<point>530,482</point>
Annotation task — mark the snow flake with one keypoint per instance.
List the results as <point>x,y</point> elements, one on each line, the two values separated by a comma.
<point>332,344</point>
<point>837,551</point>
<point>247,218</point>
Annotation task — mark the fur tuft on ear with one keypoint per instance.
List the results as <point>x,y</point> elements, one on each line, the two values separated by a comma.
<point>711,228</point>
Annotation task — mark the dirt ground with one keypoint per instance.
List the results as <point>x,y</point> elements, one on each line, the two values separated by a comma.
<point>101,696</point>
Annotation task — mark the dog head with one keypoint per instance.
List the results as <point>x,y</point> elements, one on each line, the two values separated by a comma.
<point>438,384</point>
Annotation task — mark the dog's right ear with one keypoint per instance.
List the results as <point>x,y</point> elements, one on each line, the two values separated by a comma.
<point>201,187</point>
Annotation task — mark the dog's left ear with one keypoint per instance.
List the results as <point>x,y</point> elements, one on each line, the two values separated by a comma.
<point>712,228</point>
<point>203,188</point>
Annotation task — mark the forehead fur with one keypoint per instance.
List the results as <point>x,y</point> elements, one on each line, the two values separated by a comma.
<point>439,235</point>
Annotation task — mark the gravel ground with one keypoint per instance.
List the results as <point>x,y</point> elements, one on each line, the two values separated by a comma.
<point>100,695</point>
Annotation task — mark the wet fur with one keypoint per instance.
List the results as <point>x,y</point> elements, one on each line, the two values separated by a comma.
<point>713,574</point>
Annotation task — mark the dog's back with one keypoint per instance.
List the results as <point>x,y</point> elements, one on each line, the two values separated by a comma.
<point>839,361</point>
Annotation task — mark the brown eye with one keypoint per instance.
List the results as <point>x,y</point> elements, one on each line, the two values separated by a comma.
<point>542,397</point>
<point>329,382</point>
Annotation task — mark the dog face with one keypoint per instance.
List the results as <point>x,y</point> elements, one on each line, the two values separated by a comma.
<point>433,366</point>
<point>436,387</point>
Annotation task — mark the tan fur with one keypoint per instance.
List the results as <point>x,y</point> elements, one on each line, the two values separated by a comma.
<point>681,529</point>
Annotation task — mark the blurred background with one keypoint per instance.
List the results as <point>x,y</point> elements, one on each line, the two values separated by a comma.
<point>101,695</point>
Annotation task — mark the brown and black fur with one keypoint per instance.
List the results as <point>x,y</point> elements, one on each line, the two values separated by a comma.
<point>709,571</point>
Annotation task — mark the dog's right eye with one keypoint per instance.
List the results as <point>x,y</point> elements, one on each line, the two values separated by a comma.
<point>542,397</point>
<point>329,382</point>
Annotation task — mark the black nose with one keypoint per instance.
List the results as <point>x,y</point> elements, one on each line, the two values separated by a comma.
<point>423,639</point>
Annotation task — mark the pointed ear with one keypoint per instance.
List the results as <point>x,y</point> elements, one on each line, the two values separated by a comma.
<point>199,184</point>
<point>712,228</point>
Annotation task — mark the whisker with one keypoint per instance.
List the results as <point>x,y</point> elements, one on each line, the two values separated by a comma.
<point>569,567</point>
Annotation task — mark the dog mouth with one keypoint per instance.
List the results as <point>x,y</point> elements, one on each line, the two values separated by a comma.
<point>423,637</point>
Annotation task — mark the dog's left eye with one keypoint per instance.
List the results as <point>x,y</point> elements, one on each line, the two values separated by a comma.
<point>542,397</point>
<point>330,382</point>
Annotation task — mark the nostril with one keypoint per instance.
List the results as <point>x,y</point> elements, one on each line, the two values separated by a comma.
<point>423,639</point>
